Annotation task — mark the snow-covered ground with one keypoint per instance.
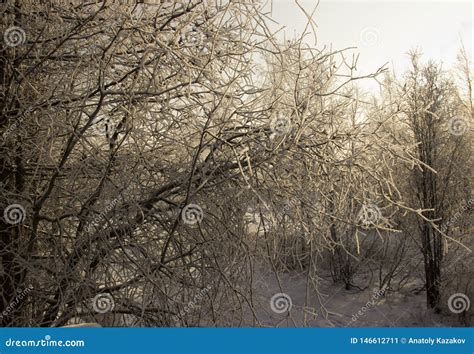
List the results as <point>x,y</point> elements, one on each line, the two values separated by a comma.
<point>337,307</point>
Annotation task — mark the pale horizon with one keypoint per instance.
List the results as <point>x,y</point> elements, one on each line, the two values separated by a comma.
<point>384,31</point>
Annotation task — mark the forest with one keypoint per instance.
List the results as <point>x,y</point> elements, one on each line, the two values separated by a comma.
<point>180,164</point>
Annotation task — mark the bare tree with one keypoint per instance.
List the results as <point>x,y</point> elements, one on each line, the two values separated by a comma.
<point>139,137</point>
<point>427,102</point>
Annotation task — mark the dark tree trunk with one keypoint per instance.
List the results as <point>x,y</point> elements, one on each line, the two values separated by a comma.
<point>432,257</point>
<point>12,179</point>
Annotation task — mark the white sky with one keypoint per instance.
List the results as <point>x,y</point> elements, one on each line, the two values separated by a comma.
<point>390,28</point>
